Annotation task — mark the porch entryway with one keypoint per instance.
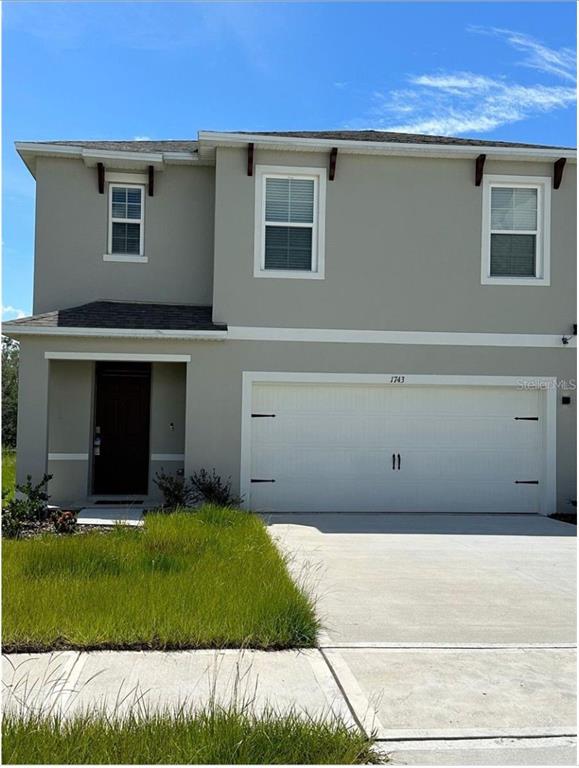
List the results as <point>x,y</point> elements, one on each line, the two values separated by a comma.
<point>113,425</point>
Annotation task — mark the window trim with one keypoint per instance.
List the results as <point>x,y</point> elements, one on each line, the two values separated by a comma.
<point>125,257</point>
<point>318,175</point>
<point>543,232</point>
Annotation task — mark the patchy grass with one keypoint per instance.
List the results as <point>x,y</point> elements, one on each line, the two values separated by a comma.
<point>209,579</point>
<point>8,472</point>
<point>210,737</point>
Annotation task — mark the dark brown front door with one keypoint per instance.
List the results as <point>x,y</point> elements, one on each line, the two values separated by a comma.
<point>121,428</point>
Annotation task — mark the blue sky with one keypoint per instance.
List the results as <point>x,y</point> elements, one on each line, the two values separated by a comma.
<point>166,70</point>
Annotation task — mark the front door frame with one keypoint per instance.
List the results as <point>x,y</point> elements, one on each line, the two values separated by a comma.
<point>546,384</point>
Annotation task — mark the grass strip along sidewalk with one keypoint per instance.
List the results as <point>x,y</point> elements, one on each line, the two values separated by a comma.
<point>210,737</point>
<point>211,578</point>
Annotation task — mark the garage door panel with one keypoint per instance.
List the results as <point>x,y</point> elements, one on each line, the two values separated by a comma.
<point>307,462</point>
<point>396,432</point>
<point>473,465</point>
<point>318,429</point>
<point>378,400</point>
<point>330,447</point>
<point>343,497</point>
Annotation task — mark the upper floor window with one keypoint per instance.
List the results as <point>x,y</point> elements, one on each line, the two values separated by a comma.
<point>289,226</point>
<point>126,222</point>
<point>516,232</point>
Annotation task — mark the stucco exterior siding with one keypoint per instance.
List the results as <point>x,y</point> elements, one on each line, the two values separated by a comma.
<point>71,239</point>
<point>212,415</point>
<point>403,250</point>
<point>70,408</point>
<point>168,421</point>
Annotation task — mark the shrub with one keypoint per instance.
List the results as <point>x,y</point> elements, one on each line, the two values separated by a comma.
<point>209,488</point>
<point>30,510</point>
<point>64,522</point>
<point>36,497</point>
<point>203,488</point>
<point>14,518</point>
<point>175,490</point>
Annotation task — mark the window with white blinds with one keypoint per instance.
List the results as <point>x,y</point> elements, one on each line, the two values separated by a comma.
<point>515,236</point>
<point>126,219</point>
<point>514,231</point>
<point>288,224</point>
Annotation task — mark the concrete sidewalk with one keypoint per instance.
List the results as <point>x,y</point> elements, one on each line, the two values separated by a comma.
<point>518,718</point>
<point>70,682</point>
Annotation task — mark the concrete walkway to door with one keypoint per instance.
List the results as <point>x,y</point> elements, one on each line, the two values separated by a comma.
<point>452,630</point>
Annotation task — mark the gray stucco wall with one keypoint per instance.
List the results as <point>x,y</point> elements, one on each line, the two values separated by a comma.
<point>214,386</point>
<point>71,239</point>
<point>167,420</point>
<point>403,250</point>
<point>69,426</point>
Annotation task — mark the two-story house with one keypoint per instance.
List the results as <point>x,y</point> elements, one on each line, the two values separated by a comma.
<point>343,321</point>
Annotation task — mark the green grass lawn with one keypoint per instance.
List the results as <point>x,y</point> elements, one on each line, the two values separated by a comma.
<point>213,737</point>
<point>186,580</point>
<point>8,472</point>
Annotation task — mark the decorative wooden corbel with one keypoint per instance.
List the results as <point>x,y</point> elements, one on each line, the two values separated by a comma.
<point>151,181</point>
<point>250,159</point>
<point>558,172</point>
<point>333,158</point>
<point>478,169</point>
<point>101,177</point>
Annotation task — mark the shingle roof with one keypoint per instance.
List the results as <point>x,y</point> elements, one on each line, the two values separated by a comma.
<point>377,136</point>
<point>130,146</point>
<point>396,138</point>
<point>120,314</point>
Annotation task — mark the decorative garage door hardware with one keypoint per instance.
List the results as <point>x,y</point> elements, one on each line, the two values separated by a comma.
<point>526,418</point>
<point>526,482</point>
<point>263,415</point>
<point>253,480</point>
<point>394,457</point>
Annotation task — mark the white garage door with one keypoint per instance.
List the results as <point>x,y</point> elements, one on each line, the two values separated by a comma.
<point>346,447</point>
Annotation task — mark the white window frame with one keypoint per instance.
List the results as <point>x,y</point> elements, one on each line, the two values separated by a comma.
<point>318,175</point>
<point>125,257</point>
<point>543,232</point>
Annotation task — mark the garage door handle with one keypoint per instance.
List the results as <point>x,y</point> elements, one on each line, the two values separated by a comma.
<point>398,461</point>
<point>393,461</point>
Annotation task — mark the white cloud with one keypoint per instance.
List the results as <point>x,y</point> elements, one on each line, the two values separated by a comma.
<point>561,63</point>
<point>451,103</point>
<point>12,313</point>
<point>142,138</point>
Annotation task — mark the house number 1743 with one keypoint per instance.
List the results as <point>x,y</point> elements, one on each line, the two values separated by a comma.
<point>397,379</point>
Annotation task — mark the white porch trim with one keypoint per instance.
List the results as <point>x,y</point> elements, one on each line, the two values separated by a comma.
<point>68,457</point>
<point>426,338</point>
<point>318,335</point>
<point>121,356</point>
<point>123,333</point>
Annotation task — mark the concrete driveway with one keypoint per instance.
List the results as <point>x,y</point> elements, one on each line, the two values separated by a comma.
<point>454,630</point>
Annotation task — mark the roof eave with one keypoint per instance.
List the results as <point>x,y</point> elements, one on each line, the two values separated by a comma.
<point>16,331</point>
<point>209,140</point>
<point>125,159</point>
